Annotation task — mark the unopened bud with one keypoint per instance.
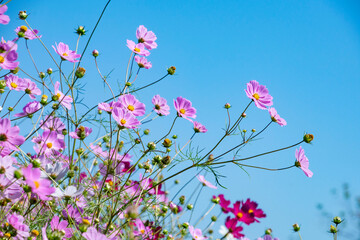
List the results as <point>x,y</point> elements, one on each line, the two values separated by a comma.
<point>215,200</point>
<point>167,143</point>
<point>146,131</point>
<point>42,75</point>
<point>49,71</point>
<point>227,106</point>
<point>243,115</point>
<point>213,218</point>
<point>80,72</point>
<point>23,15</point>
<point>171,70</point>
<point>151,146</point>
<point>189,206</point>
<point>308,138</point>
<point>333,229</point>
<point>80,30</point>
<point>296,227</point>
<point>185,225</point>
<point>182,199</point>
<point>15,71</point>
<point>337,220</point>
<point>268,231</point>
<point>95,53</point>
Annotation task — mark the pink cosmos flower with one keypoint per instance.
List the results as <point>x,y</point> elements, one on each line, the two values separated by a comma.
<point>57,225</point>
<point>17,222</point>
<point>72,213</point>
<point>199,128</point>
<point>65,53</point>
<point>81,132</point>
<point>28,34</point>
<point>13,82</point>
<point>64,100</point>
<point>230,224</point>
<point>196,233</point>
<point>9,136</point>
<point>302,162</point>
<point>39,186</point>
<point>108,107</point>
<point>146,37</point>
<point>6,166</point>
<point>8,55</point>
<point>201,178</point>
<point>259,94</point>
<point>49,143</point>
<point>30,88</point>
<point>4,19</point>
<point>29,109</point>
<point>160,105</point>
<point>11,189</point>
<point>93,234</point>
<point>131,104</point>
<point>125,118</point>
<point>137,48</point>
<point>53,124</point>
<point>143,62</point>
<point>143,231</point>
<point>184,108</point>
<point>275,117</point>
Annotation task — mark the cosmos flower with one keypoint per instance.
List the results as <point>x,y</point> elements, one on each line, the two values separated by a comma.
<point>9,136</point>
<point>30,88</point>
<point>29,109</point>
<point>230,224</point>
<point>275,117</point>
<point>146,37</point>
<point>69,192</point>
<point>81,132</point>
<point>27,33</point>
<point>6,166</point>
<point>143,62</point>
<point>57,225</point>
<point>247,212</point>
<point>196,233</point>
<point>53,124</point>
<point>4,19</point>
<point>302,162</point>
<point>39,186</point>
<point>224,231</point>
<point>199,128</point>
<point>63,100</point>
<point>137,48</point>
<point>93,234</point>
<point>13,82</point>
<point>108,107</point>
<point>201,178</point>
<point>184,108</point>
<point>125,118</point>
<point>160,105</point>
<point>17,222</point>
<point>131,104</point>
<point>65,53</point>
<point>49,143</point>
<point>8,55</point>
<point>224,204</point>
<point>259,94</point>
<point>55,170</point>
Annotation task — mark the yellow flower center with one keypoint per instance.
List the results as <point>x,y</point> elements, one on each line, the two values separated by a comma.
<point>137,49</point>
<point>123,121</point>
<point>14,85</point>
<point>250,211</point>
<point>142,231</point>
<point>58,95</point>
<point>65,54</point>
<point>182,111</point>
<point>23,28</point>
<point>256,96</point>
<point>85,221</point>
<point>131,107</point>
<point>2,59</point>
<point>111,183</point>
<point>95,187</point>
<point>37,184</point>
<point>35,232</point>
<point>7,235</point>
<point>49,145</point>
<point>239,215</point>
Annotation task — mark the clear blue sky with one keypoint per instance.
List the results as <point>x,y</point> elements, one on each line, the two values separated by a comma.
<point>306,52</point>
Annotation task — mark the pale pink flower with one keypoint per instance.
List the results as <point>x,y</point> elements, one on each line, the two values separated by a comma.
<point>63,100</point>
<point>143,62</point>
<point>160,105</point>
<point>201,178</point>
<point>146,37</point>
<point>131,104</point>
<point>196,233</point>
<point>275,117</point>
<point>259,94</point>
<point>302,162</point>
<point>4,19</point>
<point>137,48</point>
<point>184,108</point>
<point>65,53</point>
<point>41,187</point>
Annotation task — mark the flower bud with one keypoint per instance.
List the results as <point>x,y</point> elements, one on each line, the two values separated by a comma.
<point>189,206</point>
<point>17,174</point>
<point>95,53</point>
<point>213,218</point>
<point>146,131</point>
<point>49,71</point>
<point>165,209</point>
<point>243,115</point>
<point>165,231</point>
<point>185,225</point>
<point>10,109</point>
<point>244,131</point>
<point>174,136</point>
<point>70,174</point>
<point>308,138</point>
<point>80,72</point>
<point>227,106</point>
<point>151,146</point>
<point>80,31</point>
<point>15,71</point>
<point>64,132</point>
<point>42,75</point>
<point>128,84</point>
<point>182,199</point>
<point>2,84</point>
<point>177,181</point>
<point>171,70</point>
<point>215,200</point>
<point>337,220</point>
<point>167,143</point>
<point>23,15</point>
<point>166,160</point>
<point>140,165</point>
<point>268,231</point>
<point>79,151</point>
<point>296,227</point>
<point>333,229</point>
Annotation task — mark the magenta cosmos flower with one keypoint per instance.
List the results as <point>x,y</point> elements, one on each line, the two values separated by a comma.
<point>230,224</point>
<point>4,19</point>
<point>81,132</point>
<point>137,48</point>
<point>8,55</point>
<point>9,136</point>
<point>93,234</point>
<point>196,233</point>
<point>247,212</point>
<point>184,108</point>
<point>28,34</point>
<point>38,185</point>
<point>143,62</point>
<point>13,82</point>
<point>29,109</point>
<point>125,118</point>
<point>259,94</point>
<point>63,100</point>
<point>30,88</point>
<point>224,204</point>
<point>201,178</point>
<point>160,105</point>
<point>146,37</point>
<point>275,117</point>
<point>65,53</point>
<point>199,128</point>
<point>302,162</point>
<point>131,104</point>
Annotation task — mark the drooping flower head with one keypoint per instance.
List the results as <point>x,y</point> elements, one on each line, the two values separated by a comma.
<point>201,178</point>
<point>41,187</point>
<point>9,136</point>
<point>196,233</point>
<point>65,53</point>
<point>199,128</point>
<point>184,108</point>
<point>29,109</point>
<point>143,62</point>
<point>64,100</point>
<point>259,94</point>
<point>4,19</point>
<point>81,132</point>
<point>125,118</point>
<point>137,48</point>
<point>131,104</point>
<point>275,117</point>
<point>26,33</point>
<point>146,37</point>
<point>160,105</point>
<point>302,162</point>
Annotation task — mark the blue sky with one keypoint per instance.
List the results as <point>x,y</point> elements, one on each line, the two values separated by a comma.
<point>306,52</point>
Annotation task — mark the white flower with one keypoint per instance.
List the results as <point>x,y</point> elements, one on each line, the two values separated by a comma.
<point>223,231</point>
